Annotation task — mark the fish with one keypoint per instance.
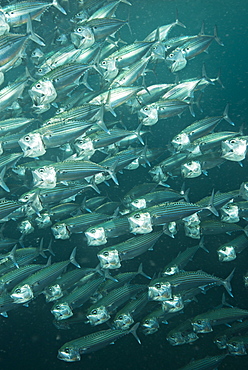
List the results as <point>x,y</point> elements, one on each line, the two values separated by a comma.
<point>71,351</point>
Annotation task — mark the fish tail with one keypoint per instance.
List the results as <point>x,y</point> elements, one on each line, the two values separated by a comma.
<point>11,256</point>
<point>59,7</point>
<point>73,259</point>
<point>216,37</point>
<point>111,172</point>
<point>177,22</point>
<point>141,272</point>
<point>202,246</point>
<point>211,206</point>
<point>225,115</point>
<point>37,39</point>
<point>2,182</point>
<point>133,331</point>
<point>227,283</point>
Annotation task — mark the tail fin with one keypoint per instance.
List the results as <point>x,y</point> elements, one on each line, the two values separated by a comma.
<point>72,258</point>
<point>227,283</point>
<point>111,172</point>
<point>37,39</point>
<point>211,206</point>
<point>202,246</point>
<point>141,272</point>
<point>59,7</point>
<point>216,37</point>
<point>2,182</point>
<point>133,331</point>
<point>226,117</point>
<point>177,22</point>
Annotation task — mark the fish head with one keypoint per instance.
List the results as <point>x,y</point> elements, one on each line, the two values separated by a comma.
<point>25,227</point>
<point>60,231</point>
<point>173,305</point>
<point>244,190</point>
<point>192,220</point>
<point>53,292</point>
<point>84,148</point>
<point>150,325</point>
<point>133,165</point>
<point>221,341</point>
<point>4,26</point>
<point>230,213</point>
<point>43,221</point>
<point>158,50</point>
<point>160,291</point>
<point>172,270</point>
<point>226,253</point>
<point>138,204</point>
<point>61,311</point>
<point>158,175</point>
<point>22,294</point>
<point>193,232</point>
<point>170,229</point>
<point>148,115</point>
<point>140,223</point>
<point>191,169</point>
<point>69,354</point>
<point>83,37</point>
<point>109,259</point>
<point>32,145</point>
<point>36,55</point>
<point>98,315</point>
<point>191,337</point>
<point>234,149</point>
<point>181,141</point>
<point>178,65</point>
<point>101,177</point>
<point>42,92</point>
<point>44,177</point>
<point>236,348</point>
<point>96,236</point>
<point>176,339</point>
<point>123,321</point>
<point>201,326</point>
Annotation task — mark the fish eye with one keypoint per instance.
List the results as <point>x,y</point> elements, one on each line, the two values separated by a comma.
<point>169,269</point>
<point>120,317</point>
<point>198,322</point>
<point>146,321</point>
<point>189,163</point>
<point>171,55</point>
<point>26,197</point>
<point>158,285</point>
<point>94,312</point>
<point>41,170</point>
<point>223,249</point>
<point>106,253</point>
<point>93,231</point>
<point>67,350</point>
<point>187,48</point>
<point>27,138</point>
<point>79,29</point>
<point>18,290</point>
<point>58,307</point>
<point>38,86</point>
<point>136,201</point>
<point>137,215</point>
<point>104,62</point>
<point>233,141</point>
